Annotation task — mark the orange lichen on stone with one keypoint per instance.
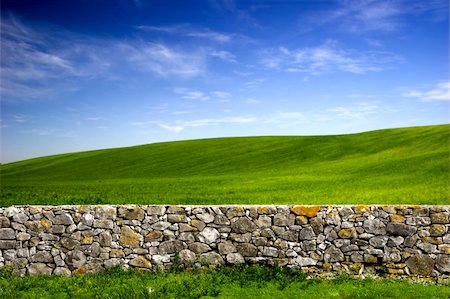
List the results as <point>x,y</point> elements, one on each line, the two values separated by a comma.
<point>308,211</point>
<point>262,210</point>
<point>45,223</point>
<point>433,240</point>
<point>347,233</point>
<point>396,271</point>
<point>361,209</point>
<point>129,237</point>
<point>397,218</point>
<point>87,240</point>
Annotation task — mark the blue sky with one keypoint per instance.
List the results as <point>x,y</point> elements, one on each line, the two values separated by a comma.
<point>81,75</point>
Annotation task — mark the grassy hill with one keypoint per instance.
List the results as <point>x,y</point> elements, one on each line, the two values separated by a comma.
<point>407,165</point>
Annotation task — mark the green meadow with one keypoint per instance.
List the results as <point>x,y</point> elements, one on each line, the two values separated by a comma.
<point>392,166</point>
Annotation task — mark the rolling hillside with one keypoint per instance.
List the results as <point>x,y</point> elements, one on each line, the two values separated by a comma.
<point>407,165</point>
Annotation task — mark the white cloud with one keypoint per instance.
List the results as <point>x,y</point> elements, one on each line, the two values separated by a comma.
<point>178,126</point>
<point>327,58</point>
<point>254,82</point>
<point>163,60</point>
<point>221,94</point>
<point>190,31</point>
<point>251,101</point>
<point>224,55</point>
<point>440,92</point>
<point>360,16</point>
<point>190,94</point>
<point>359,110</point>
<point>41,61</point>
<point>96,118</point>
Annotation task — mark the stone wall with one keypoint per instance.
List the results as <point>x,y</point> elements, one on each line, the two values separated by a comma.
<point>389,240</point>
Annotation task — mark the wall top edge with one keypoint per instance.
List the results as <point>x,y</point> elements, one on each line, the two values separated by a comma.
<point>234,205</point>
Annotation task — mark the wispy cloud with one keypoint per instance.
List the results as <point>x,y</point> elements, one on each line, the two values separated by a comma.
<point>190,94</point>
<point>221,94</point>
<point>163,60</point>
<point>255,82</point>
<point>327,58</point>
<point>40,61</point>
<point>439,92</point>
<point>224,55</point>
<point>190,31</point>
<point>360,16</point>
<point>178,126</point>
<point>252,101</point>
<point>358,110</point>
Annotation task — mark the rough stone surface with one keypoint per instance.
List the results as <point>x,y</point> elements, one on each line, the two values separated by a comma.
<point>420,264</point>
<point>70,240</point>
<point>129,237</point>
<point>140,262</point>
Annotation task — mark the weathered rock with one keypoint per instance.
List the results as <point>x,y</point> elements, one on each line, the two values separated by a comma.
<point>173,246</point>
<point>62,271</point>
<point>135,213</point>
<point>308,211</point>
<point>400,229</point>
<point>375,226</point>
<point>106,224</point>
<point>200,225</point>
<point>235,212</point>
<point>304,261</point>
<point>42,257</point>
<point>175,218</point>
<point>289,235</point>
<point>156,210</point>
<point>75,259</point>
<point>395,241</point>
<point>153,236</point>
<point>129,237</point>
<point>317,225</point>
<point>333,254</point>
<point>63,219</point>
<point>207,218</point>
<point>19,263</point>
<point>7,234</point>
<point>283,219</point>
<point>140,262</point>
<point>243,225</point>
<point>235,258</point>
<point>4,222</point>
<point>187,257</point>
<point>378,241</point>
<point>212,258</point>
<point>93,250</point>
<point>7,244</point>
<point>437,230</point>
<point>105,239</point>
<point>69,243</point>
<point>247,249</point>
<point>348,233</point>
<point>333,218</point>
<point>420,264</point>
<point>209,235</point>
<point>183,227</point>
<point>443,263</point>
<point>420,221</point>
<point>307,234</point>
<point>440,218</point>
<point>198,247</point>
<point>39,269</point>
<point>20,218</point>
<point>161,225</point>
<point>112,262</point>
<point>270,251</point>
<point>221,220</point>
<point>264,221</point>
<point>226,247</point>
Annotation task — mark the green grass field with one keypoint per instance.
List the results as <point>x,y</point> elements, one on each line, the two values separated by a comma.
<point>400,166</point>
<point>227,282</point>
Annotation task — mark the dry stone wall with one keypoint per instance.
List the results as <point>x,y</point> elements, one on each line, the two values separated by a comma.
<point>67,240</point>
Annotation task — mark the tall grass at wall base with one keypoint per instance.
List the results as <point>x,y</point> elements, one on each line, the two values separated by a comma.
<point>241,281</point>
